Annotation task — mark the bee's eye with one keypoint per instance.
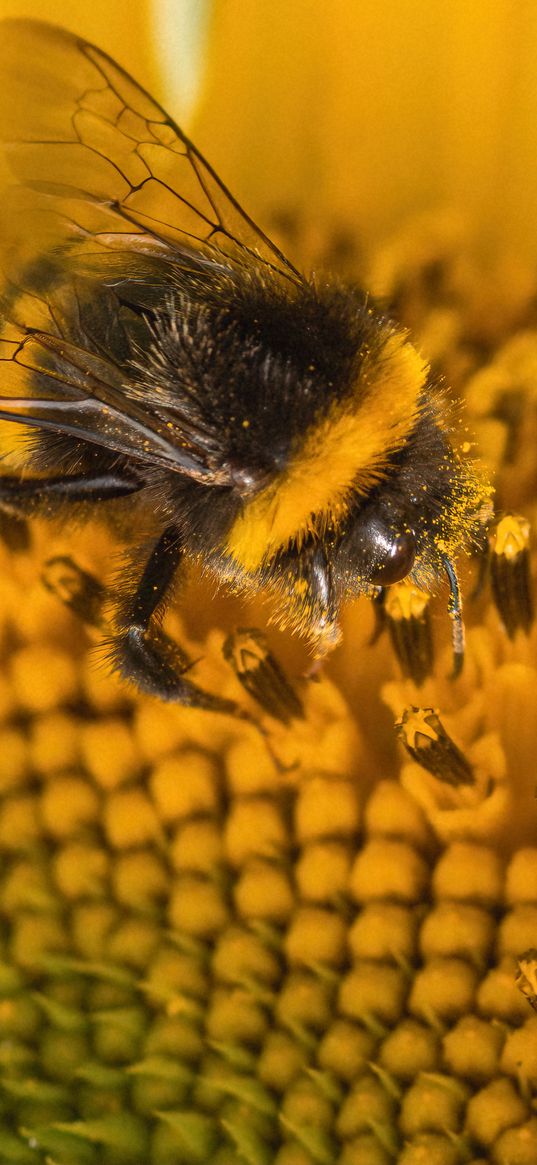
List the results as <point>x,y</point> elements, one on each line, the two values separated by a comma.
<point>394,554</point>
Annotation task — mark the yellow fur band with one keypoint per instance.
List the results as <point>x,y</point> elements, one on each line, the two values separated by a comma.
<point>347,449</point>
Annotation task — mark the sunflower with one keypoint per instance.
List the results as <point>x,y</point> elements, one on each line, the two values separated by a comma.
<point>308,937</point>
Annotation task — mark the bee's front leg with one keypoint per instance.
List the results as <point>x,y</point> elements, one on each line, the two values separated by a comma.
<point>321,602</point>
<point>36,496</point>
<point>142,652</point>
<point>27,497</point>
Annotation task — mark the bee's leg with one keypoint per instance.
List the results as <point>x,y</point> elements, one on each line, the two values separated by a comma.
<point>455,612</point>
<point>142,652</point>
<point>321,599</point>
<point>28,496</point>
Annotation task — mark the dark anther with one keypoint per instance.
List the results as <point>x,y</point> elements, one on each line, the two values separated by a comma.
<point>510,575</point>
<point>261,675</point>
<point>427,742</point>
<point>407,617</point>
<point>526,976</point>
<point>76,589</point>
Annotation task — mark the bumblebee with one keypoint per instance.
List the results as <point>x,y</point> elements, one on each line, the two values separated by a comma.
<point>281,430</point>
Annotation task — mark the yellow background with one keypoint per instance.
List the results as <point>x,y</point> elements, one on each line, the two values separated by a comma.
<point>366,112</point>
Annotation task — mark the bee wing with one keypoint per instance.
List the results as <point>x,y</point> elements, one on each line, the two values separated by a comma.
<point>71,391</point>
<point>76,127</point>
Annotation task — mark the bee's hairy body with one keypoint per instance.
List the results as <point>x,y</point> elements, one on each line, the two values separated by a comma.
<point>282,431</point>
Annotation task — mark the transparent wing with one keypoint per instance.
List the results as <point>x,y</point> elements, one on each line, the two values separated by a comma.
<point>55,385</point>
<point>77,129</point>
<point>110,192</point>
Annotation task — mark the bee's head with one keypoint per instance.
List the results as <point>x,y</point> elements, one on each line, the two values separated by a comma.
<point>422,511</point>
<point>430,507</point>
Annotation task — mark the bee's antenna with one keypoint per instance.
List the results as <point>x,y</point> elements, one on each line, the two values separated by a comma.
<point>455,612</point>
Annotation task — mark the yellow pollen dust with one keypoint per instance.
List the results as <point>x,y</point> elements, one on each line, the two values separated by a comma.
<point>347,448</point>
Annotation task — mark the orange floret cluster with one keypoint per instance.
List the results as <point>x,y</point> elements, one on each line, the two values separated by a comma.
<point>230,942</point>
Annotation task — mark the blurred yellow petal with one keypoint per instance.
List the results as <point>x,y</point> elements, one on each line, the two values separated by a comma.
<point>365,114</point>
<point>124,30</point>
